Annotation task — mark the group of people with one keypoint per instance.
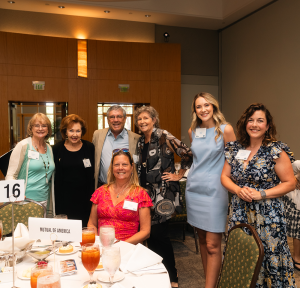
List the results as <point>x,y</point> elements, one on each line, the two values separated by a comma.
<point>128,181</point>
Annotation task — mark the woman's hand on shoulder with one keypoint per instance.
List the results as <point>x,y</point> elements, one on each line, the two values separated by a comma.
<point>229,135</point>
<point>244,193</point>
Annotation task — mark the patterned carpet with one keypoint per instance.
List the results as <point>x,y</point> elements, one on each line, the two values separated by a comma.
<point>189,264</point>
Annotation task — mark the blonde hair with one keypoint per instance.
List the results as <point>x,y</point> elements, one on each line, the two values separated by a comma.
<point>41,118</point>
<point>218,117</point>
<point>150,110</point>
<point>134,179</point>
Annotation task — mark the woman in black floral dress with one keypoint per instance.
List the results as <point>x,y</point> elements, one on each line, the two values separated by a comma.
<point>259,182</point>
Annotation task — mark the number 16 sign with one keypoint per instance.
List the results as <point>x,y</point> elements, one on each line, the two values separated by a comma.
<point>12,190</point>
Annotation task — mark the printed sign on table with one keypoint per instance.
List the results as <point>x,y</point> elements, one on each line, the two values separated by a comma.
<point>12,190</point>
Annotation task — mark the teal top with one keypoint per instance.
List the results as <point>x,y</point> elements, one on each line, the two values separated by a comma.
<point>37,187</point>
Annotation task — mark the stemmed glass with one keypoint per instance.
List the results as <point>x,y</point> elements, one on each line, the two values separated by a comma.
<point>90,257</point>
<point>111,260</point>
<point>177,167</point>
<point>107,235</point>
<point>88,235</point>
<point>49,281</point>
<point>1,230</point>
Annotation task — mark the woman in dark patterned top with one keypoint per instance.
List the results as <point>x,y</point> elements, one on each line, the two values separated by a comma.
<point>156,169</point>
<point>258,184</point>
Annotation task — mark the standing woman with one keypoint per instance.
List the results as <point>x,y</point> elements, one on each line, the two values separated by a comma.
<point>156,169</point>
<point>32,160</point>
<point>206,198</point>
<point>74,174</point>
<point>258,184</point>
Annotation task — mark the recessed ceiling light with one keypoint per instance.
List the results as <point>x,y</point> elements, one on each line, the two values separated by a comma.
<point>147,15</point>
<point>11,2</point>
<point>106,11</point>
<point>61,7</point>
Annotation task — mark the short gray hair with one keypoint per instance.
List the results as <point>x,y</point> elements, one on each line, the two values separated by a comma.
<point>116,107</point>
<point>150,110</point>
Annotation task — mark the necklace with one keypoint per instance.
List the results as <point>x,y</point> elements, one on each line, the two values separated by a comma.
<point>122,191</point>
<point>45,166</point>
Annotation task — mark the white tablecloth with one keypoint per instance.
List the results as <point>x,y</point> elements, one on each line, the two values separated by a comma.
<point>77,280</point>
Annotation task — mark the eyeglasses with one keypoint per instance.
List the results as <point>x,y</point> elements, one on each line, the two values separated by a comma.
<point>113,117</point>
<point>125,150</point>
<point>40,126</point>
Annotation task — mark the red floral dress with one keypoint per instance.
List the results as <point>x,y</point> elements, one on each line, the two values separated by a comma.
<point>126,222</point>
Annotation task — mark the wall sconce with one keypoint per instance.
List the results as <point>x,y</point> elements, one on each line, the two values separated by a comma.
<point>166,36</point>
<point>82,58</point>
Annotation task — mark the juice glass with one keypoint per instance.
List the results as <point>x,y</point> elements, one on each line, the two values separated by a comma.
<point>39,270</point>
<point>49,281</point>
<point>88,235</point>
<point>90,257</point>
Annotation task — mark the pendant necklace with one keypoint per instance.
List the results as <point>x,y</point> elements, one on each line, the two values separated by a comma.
<point>45,166</point>
<point>122,191</point>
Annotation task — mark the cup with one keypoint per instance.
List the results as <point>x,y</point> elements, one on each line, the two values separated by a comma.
<point>88,235</point>
<point>111,259</point>
<point>39,270</point>
<point>107,235</point>
<point>49,281</point>
<point>90,257</point>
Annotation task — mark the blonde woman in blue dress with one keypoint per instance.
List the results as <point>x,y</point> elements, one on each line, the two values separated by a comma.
<point>206,198</point>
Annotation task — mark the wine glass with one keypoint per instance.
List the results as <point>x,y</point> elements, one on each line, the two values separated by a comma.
<point>88,235</point>
<point>39,270</point>
<point>49,281</point>
<point>111,260</point>
<point>177,167</point>
<point>90,257</point>
<point>1,230</point>
<point>107,235</point>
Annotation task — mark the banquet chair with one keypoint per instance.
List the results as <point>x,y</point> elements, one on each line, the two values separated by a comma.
<point>21,213</point>
<point>182,217</point>
<point>243,258</point>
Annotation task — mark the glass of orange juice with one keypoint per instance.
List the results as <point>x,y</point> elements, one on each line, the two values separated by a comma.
<point>90,257</point>
<point>39,270</point>
<point>88,235</point>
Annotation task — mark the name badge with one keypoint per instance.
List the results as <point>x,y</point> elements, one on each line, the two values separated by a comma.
<point>33,155</point>
<point>200,133</point>
<point>129,205</point>
<point>87,163</point>
<point>243,154</point>
<point>136,159</point>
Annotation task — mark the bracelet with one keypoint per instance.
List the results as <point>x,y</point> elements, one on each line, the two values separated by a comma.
<point>263,194</point>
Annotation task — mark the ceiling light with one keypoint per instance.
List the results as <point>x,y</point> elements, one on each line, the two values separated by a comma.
<point>61,7</point>
<point>106,11</point>
<point>147,15</point>
<point>11,2</point>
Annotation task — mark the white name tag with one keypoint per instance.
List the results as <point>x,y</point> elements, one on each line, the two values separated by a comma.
<point>87,163</point>
<point>129,205</point>
<point>243,154</point>
<point>33,155</point>
<point>200,132</point>
<point>136,159</point>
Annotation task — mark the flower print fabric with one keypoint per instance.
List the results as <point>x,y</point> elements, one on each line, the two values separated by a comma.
<point>126,222</point>
<point>266,216</point>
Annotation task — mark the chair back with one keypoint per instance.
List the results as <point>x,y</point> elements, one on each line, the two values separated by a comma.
<point>22,211</point>
<point>243,258</point>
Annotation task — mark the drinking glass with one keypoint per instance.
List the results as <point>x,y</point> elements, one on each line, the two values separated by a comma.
<point>111,260</point>
<point>107,235</point>
<point>90,257</point>
<point>88,235</point>
<point>177,167</point>
<point>39,270</point>
<point>49,281</point>
<point>1,230</point>
<point>61,216</point>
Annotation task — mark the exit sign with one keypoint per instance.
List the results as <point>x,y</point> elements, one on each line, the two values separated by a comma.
<point>38,85</point>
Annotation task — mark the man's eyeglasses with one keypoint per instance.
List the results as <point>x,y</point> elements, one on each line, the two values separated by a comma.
<point>118,117</point>
<point>120,149</point>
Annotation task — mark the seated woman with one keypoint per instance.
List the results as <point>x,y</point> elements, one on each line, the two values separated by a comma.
<point>110,201</point>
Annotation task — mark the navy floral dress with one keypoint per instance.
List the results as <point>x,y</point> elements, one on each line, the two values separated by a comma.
<point>266,216</point>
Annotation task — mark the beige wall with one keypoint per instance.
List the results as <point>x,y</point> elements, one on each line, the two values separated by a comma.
<point>67,26</point>
<point>261,63</point>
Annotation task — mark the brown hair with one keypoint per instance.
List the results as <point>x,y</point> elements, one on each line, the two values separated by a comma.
<point>71,119</point>
<point>218,117</point>
<point>150,110</point>
<point>242,134</point>
<point>41,117</point>
<point>134,179</point>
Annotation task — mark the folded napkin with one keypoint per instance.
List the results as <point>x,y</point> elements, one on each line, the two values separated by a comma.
<point>155,269</point>
<point>138,258</point>
<point>22,240</point>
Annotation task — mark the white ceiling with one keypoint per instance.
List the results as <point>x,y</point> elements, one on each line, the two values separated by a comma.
<point>205,14</point>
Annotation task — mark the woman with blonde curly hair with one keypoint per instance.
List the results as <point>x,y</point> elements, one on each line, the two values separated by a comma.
<point>206,198</point>
<point>32,160</point>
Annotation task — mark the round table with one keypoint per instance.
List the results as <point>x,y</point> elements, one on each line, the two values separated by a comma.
<point>79,280</point>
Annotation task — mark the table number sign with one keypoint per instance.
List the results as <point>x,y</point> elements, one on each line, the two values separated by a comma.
<point>63,229</point>
<point>12,190</point>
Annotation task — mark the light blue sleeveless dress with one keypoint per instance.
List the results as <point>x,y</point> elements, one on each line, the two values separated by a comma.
<point>206,198</point>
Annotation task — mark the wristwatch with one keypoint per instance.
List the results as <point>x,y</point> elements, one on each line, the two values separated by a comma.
<point>263,194</point>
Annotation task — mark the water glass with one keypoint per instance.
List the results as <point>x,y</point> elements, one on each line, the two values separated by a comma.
<point>49,281</point>
<point>39,270</point>
<point>111,259</point>
<point>107,235</point>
